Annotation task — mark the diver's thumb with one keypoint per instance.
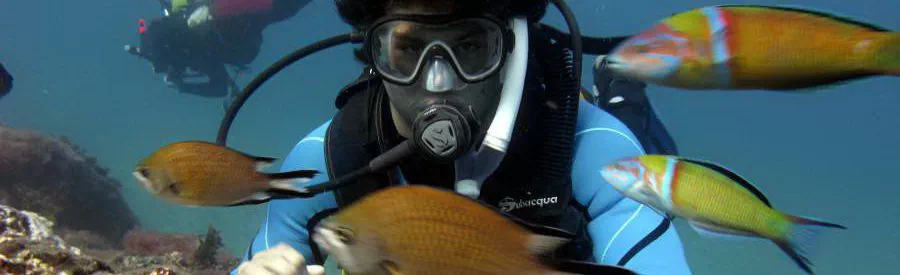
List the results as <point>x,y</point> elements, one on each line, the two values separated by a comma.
<point>315,270</point>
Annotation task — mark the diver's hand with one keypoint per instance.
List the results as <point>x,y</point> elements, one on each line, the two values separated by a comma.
<point>279,260</point>
<point>199,16</point>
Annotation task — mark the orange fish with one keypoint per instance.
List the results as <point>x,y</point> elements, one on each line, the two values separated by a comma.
<point>422,230</point>
<point>199,173</point>
<point>741,47</point>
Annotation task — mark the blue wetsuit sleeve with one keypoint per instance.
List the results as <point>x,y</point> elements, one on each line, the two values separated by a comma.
<point>286,221</point>
<point>624,232</point>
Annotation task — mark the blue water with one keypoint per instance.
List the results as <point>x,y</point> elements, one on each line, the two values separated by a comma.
<point>829,154</point>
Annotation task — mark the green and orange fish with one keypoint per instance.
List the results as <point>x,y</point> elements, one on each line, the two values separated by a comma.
<point>416,229</point>
<point>199,173</point>
<point>751,47</point>
<point>713,199</point>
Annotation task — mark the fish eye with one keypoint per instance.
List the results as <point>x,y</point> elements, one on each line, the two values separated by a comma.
<point>345,235</point>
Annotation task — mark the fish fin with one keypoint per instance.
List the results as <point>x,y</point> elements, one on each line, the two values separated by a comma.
<point>887,57</point>
<point>543,239</point>
<point>543,230</point>
<point>263,162</point>
<point>174,187</point>
<point>795,255</point>
<point>572,267</point>
<point>282,185</point>
<point>665,214</point>
<point>799,241</point>
<point>714,231</point>
<point>815,222</point>
<point>543,244</point>
<point>731,175</point>
<point>286,180</point>
<point>834,15</point>
<point>254,199</point>
<point>391,268</point>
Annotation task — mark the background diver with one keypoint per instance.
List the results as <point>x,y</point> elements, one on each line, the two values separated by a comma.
<point>194,40</point>
<point>436,66</point>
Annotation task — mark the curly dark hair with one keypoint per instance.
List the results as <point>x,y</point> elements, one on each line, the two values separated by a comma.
<point>362,13</point>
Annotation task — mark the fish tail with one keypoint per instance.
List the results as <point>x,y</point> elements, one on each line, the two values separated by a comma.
<point>887,57</point>
<point>801,238</point>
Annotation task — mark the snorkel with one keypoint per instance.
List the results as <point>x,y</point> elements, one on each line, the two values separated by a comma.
<point>498,135</point>
<point>471,174</point>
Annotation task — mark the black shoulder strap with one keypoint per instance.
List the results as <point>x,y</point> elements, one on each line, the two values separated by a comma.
<point>353,138</point>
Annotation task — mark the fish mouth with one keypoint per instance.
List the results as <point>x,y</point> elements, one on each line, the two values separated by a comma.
<point>145,182</point>
<point>617,177</point>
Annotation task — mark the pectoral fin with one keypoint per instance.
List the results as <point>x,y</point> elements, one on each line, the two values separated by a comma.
<point>665,215</point>
<point>542,244</point>
<point>391,268</point>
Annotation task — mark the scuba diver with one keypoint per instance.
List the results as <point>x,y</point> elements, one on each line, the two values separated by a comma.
<point>445,87</point>
<point>198,39</point>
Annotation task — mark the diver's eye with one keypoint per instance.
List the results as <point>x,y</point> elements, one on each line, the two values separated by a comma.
<point>345,235</point>
<point>468,46</point>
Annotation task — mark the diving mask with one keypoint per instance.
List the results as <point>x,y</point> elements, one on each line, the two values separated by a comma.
<point>399,46</point>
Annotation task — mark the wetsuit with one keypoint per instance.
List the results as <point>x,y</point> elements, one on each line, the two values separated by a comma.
<point>622,230</point>
<point>627,100</point>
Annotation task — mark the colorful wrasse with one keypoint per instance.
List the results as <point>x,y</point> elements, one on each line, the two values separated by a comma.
<point>198,173</point>
<point>713,199</point>
<point>757,47</point>
<point>422,230</point>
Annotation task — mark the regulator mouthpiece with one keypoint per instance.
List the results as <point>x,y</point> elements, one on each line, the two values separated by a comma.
<point>441,132</point>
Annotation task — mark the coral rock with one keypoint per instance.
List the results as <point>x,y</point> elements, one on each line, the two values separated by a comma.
<point>28,246</point>
<point>55,178</point>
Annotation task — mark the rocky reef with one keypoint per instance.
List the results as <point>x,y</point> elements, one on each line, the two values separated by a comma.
<point>28,245</point>
<point>61,213</point>
<point>57,179</point>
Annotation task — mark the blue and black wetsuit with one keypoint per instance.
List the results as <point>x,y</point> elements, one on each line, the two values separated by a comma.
<point>623,231</point>
<point>627,100</point>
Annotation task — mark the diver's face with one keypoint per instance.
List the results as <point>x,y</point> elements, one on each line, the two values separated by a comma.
<point>455,63</point>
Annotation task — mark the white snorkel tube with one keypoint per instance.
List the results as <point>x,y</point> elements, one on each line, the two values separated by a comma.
<point>500,131</point>
<point>472,170</point>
